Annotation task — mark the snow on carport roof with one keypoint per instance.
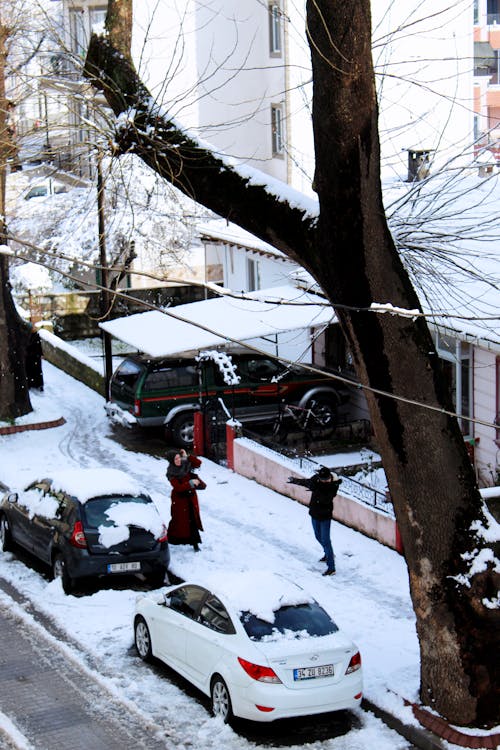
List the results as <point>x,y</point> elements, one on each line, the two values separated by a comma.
<point>213,322</point>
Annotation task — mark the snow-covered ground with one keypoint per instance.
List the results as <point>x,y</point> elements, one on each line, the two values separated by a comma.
<point>246,527</point>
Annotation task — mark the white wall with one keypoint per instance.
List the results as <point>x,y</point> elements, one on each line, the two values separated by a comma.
<point>210,64</point>
<point>487,453</point>
<point>273,272</point>
<point>164,45</point>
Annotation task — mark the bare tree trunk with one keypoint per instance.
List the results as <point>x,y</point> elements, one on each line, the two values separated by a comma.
<point>351,254</point>
<point>14,393</point>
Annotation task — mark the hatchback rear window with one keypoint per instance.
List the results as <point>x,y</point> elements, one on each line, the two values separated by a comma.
<point>302,618</point>
<point>94,511</point>
<point>128,372</point>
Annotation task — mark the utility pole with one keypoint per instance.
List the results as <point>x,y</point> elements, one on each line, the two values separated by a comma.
<point>105,298</point>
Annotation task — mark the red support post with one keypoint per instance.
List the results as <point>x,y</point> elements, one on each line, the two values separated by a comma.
<point>199,433</point>
<point>230,435</point>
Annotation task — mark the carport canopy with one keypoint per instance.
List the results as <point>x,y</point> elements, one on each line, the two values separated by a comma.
<point>225,320</point>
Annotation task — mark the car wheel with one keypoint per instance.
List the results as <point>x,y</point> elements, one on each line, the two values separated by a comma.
<point>6,543</point>
<point>60,570</point>
<point>221,700</point>
<point>182,430</point>
<point>142,639</point>
<point>156,579</point>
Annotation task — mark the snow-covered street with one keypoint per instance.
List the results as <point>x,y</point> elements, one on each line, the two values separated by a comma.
<point>246,527</point>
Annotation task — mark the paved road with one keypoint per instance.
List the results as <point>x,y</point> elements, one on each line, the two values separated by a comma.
<point>55,703</point>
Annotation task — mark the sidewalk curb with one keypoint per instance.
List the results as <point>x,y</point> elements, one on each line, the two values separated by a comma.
<point>419,737</point>
<point>11,429</point>
<point>434,733</point>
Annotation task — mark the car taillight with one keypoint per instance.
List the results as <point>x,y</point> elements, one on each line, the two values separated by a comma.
<point>137,407</point>
<point>164,535</point>
<point>256,672</point>
<point>354,664</point>
<point>77,538</point>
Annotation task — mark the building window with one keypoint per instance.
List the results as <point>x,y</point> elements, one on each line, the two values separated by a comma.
<point>277,129</point>
<point>253,276</point>
<point>81,23</point>
<point>492,12</point>
<point>456,358</point>
<point>476,12</point>
<point>275,29</point>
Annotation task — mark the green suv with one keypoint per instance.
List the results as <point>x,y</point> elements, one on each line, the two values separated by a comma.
<point>253,388</point>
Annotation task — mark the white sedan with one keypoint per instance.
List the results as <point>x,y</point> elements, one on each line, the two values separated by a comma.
<point>256,643</point>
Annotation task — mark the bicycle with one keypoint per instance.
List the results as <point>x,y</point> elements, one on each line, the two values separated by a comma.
<point>316,420</point>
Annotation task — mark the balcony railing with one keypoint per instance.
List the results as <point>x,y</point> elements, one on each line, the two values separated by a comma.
<point>492,19</point>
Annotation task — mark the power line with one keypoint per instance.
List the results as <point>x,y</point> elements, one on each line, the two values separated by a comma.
<point>311,368</point>
<point>376,307</point>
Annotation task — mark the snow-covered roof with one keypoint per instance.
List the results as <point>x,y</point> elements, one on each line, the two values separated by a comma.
<point>450,223</point>
<point>215,322</point>
<point>87,483</point>
<point>223,231</point>
<point>258,591</point>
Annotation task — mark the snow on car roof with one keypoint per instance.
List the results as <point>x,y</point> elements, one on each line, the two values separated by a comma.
<point>258,591</point>
<point>87,483</point>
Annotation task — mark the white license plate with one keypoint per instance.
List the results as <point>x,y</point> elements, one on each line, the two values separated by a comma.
<point>124,567</point>
<point>310,673</point>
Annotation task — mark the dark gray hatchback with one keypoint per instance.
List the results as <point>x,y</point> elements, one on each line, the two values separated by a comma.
<point>87,523</point>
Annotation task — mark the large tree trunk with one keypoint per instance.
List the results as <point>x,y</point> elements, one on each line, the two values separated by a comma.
<point>351,254</point>
<point>14,336</point>
<point>431,480</point>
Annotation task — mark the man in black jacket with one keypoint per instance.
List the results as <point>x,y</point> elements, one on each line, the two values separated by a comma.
<point>324,486</point>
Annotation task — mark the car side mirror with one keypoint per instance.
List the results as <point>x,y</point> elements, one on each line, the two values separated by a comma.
<point>13,497</point>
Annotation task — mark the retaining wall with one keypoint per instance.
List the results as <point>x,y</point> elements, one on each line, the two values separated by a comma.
<point>70,360</point>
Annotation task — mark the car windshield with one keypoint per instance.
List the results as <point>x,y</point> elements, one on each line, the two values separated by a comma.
<point>299,619</point>
<point>95,510</point>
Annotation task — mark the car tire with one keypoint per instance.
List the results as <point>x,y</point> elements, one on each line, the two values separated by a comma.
<point>182,430</point>
<point>221,700</point>
<point>157,579</point>
<point>59,570</point>
<point>142,639</point>
<point>6,543</point>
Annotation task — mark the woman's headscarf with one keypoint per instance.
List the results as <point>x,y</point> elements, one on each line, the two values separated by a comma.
<point>177,471</point>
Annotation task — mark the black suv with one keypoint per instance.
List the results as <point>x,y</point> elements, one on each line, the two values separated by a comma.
<point>87,522</point>
<point>153,392</point>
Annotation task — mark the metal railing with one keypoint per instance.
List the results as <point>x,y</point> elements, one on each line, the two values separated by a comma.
<point>359,491</point>
<point>367,495</point>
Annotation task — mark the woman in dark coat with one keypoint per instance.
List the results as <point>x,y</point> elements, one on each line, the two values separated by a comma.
<point>185,524</point>
<point>324,485</point>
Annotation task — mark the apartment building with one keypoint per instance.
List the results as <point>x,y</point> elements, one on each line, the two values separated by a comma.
<point>487,77</point>
<point>239,75</point>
